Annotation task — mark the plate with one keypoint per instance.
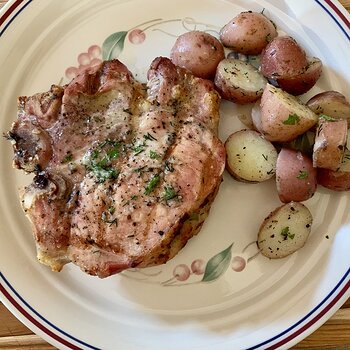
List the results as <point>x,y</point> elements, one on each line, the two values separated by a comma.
<point>251,302</point>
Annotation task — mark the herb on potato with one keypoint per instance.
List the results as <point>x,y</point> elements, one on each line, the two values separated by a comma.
<point>292,119</point>
<point>303,174</point>
<point>285,233</point>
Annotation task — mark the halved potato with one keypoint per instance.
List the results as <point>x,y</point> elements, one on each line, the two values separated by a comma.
<point>250,157</point>
<point>239,81</point>
<point>295,176</point>
<point>283,116</point>
<point>338,180</point>
<point>331,103</point>
<point>330,141</point>
<point>304,81</point>
<point>283,57</point>
<point>285,230</point>
<point>256,116</point>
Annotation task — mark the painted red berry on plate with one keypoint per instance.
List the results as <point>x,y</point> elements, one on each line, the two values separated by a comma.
<point>84,59</point>
<point>238,263</point>
<point>137,36</point>
<point>94,51</point>
<point>198,266</point>
<point>182,272</point>
<point>72,72</point>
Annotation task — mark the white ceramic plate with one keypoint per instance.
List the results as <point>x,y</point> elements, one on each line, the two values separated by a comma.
<point>265,305</point>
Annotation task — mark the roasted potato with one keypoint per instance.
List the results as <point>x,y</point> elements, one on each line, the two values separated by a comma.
<point>296,178</point>
<point>248,33</point>
<point>283,57</point>
<point>285,62</point>
<point>331,103</point>
<point>283,116</point>
<point>250,158</point>
<point>285,230</point>
<point>330,141</point>
<point>304,81</point>
<point>198,52</point>
<point>239,81</point>
<point>338,180</point>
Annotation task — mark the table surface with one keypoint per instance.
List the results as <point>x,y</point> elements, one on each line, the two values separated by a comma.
<point>333,335</point>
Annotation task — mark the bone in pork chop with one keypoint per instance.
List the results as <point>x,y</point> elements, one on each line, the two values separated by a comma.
<point>125,174</point>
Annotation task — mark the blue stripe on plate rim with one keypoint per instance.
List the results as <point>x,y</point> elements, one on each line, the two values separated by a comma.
<point>338,288</point>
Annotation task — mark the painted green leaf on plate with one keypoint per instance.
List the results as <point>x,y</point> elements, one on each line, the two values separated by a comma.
<point>217,265</point>
<point>113,45</point>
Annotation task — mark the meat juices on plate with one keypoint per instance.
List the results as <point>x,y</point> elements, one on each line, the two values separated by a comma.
<point>125,173</point>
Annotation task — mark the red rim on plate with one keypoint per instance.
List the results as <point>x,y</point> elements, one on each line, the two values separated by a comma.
<point>34,320</point>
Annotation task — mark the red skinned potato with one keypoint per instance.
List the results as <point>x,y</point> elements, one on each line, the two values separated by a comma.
<point>239,81</point>
<point>296,178</point>
<point>283,116</point>
<point>331,103</point>
<point>303,82</point>
<point>330,141</point>
<point>248,33</point>
<point>283,57</point>
<point>198,52</point>
<point>285,62</point>
<point>338,180</point>
<point>285,230</point>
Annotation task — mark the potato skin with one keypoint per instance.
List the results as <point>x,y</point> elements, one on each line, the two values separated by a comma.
<point>303,82</point>
<point>198,52</point>
<point>248,33</point>
<point>331,103</point>
<point>239,81</point>
<point>283,117</point>
<point>296,178</point>
<point>330,141</point>
<point>283,57</point>
<point>338,180</point>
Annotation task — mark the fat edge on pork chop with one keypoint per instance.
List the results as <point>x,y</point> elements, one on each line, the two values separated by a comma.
<point>125,173</point>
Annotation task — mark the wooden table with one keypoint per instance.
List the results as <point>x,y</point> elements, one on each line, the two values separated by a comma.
<point>333,335</point>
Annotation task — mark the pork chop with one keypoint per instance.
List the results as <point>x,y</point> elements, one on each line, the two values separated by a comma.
<point>125,173</point>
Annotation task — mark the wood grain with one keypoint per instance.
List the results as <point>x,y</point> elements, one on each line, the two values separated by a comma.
<point>333,335</point>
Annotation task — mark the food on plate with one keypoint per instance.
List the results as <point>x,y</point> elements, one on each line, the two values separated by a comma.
<point>256,116</point>
<point>250,157</point>
<point>285,230</point>
<point>283,116</point>
<point>198,52</point>
<point>303,143</point>
<point>248,33</point>
<point>330,142</point>
<point>124,175</point>
<point>336,180</point>
<point>285,62</point>
<point>304,81</point>
<point>239,81</point>
<point>331,103</point>
<point>296,178</point>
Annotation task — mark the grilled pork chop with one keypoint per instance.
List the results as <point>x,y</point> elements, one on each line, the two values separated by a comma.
<point>125,174</point>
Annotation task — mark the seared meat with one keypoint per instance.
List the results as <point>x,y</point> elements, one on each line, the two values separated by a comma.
<point>124,173</point>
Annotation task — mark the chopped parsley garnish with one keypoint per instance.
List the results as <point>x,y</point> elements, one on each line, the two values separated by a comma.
<point>327,118</point>
<point>149,137</point>
<point>111,210</point>
<point>285,233</point>
<point>154,155</point>
<point>139,149</point>
<point>134,197</point>
<point>100,161</point>
<point>169,193</point>
<point>152,183</point>
<point>68,158</point>
<point>303,174</point>
<point>292,119</point>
